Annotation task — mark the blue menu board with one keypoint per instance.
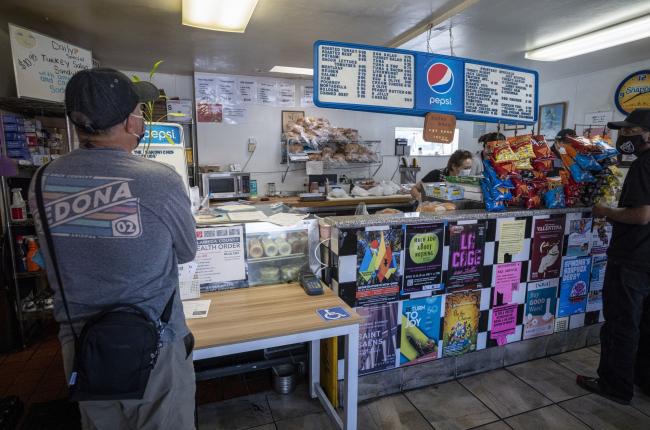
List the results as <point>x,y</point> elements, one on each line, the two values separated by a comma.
<point>377,79</point>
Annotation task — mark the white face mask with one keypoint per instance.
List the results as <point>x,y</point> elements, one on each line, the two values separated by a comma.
<point>464,172</point>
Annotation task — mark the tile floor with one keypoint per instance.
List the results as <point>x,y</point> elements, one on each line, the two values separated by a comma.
<point>539,394</point>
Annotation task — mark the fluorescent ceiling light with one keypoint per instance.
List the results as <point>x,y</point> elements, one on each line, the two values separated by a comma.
<point>218,15</point>
<point>293,70</point>
<point>618,34</point>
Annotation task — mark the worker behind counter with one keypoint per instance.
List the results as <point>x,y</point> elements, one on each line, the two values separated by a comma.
<point>459,164</point>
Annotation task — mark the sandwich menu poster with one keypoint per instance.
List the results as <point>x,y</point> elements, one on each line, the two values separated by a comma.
<point>420,330</point>
<point>574,286</point>
<point>548,239</point>
<point>379,255</point>
<point>460,328</point>
<point>377,337</point>
<point>423,258</point>
<point>541,302</point>
<point>465,266</point>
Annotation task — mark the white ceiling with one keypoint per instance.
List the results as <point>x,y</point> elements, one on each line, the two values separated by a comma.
<point>133,34</point>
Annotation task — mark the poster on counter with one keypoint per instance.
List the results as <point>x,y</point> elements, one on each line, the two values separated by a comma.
<point>460,327</point>
<point>511,239</point>
<point>597,283</point>
<point>220,256</point>
<point>541,302</point>
<point>504,323</point>
<point>465,265</point>
<point>548,239</point>
<point>267,93</point>
<point>378,337</point>
<point>379,269</point>
<point>579,240</point>
<point>423,258</point>
<point>506,282</point>
<point>601,236</point>
<point>286,94</point>
<point>420,330</point>
<point>247,91</point>
<point>574,286</point>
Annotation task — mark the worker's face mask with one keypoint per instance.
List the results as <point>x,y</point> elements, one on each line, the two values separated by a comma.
<point>141,135</point>
<point>464,172</point>
<point>630,144</point>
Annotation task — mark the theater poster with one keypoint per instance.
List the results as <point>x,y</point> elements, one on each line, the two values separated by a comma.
<point>460,327</point>
<point>548,239</point>
<point>541,302</point>
<point>465,265</point>
<point>574,286</point>
<point>379,257</point>
<point>420,330</point>
<point>378,337</point>
<point>423,258</point>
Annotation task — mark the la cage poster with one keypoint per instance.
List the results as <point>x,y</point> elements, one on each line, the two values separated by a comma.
<point>465,265</point>
<point>423,258</point>
<point>548,239</point>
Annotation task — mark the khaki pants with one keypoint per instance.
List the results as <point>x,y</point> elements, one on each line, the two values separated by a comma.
<point>168,401</point>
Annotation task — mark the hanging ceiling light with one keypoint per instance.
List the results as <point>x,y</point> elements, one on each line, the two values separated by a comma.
<point>615,35</point>
<point>218,15</point>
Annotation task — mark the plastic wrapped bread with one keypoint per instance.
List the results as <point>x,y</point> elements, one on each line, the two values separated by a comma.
<point>270,248</point>
<point>255,249</point>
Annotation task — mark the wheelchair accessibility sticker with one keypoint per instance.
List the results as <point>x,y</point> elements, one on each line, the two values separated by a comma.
<point>332,314</point>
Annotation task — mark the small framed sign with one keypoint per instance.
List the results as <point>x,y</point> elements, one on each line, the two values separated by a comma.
<point>290,116</point>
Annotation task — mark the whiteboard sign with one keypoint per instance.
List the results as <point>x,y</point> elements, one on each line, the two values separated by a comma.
<point>495,92</point>
<point>365,77</point>
<point>42,65</point>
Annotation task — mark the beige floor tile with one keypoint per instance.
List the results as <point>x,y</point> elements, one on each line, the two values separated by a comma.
<point>602,414</point>
<point>549,378</point>
<point>582,361</point>
<point>551,417</point>
<point>392,412</point>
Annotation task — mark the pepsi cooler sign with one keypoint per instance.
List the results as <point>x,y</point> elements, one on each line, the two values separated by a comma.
<point>163,134</point>
<point>377,79</point>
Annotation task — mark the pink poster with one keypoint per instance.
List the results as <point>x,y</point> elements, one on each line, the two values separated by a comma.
<point>504,323</point>
<point>506,280</point>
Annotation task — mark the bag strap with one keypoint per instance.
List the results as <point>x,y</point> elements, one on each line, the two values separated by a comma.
<point>38,191</point>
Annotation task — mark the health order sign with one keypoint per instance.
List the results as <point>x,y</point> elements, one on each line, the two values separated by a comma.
<point>377,79</point>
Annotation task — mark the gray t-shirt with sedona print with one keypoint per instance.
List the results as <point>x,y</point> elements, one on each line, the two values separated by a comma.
<point>121,224</point>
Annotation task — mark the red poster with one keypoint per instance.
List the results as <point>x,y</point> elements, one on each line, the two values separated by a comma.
<point>209,112</point>
<point>548,238</point>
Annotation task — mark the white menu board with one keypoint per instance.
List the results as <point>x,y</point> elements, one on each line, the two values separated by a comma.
<point>42,65</point>
<point>206,89</point>
<point>286,94</point>
<point>307,95</point>
<point>226,90</point>
<point>495,92</point>
<point>247,91</point>
<point>365,77</point>
<point>266,93</point>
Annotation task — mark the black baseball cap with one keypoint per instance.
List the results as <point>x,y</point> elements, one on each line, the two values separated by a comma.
<point>97,99</point>
<point>637,118</point>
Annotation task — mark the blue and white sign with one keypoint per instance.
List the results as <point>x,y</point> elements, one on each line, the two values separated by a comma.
<point>162,133</point>
<point>333,314</point>
<point>377,79</point>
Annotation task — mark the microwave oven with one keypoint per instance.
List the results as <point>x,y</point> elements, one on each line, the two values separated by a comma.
<point>226,185</point>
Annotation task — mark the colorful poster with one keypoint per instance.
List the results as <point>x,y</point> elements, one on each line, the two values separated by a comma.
<point>460,328</point>
<point>377,337</point>
<point>504,323</point>
<point>548,238</point>
<point>466,243</point>
<point>209,112</point>
<point>378,261</point>
<point>574,286</point>
<point>579,240</point>
<point>506,281</point>
<point>420,330</point>
<point>601,235</point>
<point>597,283</point>
<point>511,239</point>
<point>423,258</point>
<point>541,302</point>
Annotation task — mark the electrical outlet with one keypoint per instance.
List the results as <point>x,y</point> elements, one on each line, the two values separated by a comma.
<point>252,144</point>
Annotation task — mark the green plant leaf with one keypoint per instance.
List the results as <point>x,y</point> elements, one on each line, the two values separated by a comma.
<point>135,78</point>
<point>154,69</point>
<point>169,140</point>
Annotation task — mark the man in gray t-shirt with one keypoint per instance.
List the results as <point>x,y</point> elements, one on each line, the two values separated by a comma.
<point>121,224</point>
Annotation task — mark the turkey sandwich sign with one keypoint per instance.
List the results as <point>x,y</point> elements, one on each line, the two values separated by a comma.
<point>377,79</point>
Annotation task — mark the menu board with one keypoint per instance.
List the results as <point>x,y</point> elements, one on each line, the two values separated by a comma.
<point>365,77</point>
<point>42,65</point>
<point>499,93</point>
<point>377,79</point>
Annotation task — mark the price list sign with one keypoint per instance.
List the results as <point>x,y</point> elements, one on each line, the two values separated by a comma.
<point>365,77</point>
<point>377,79</point>
<point>499,93</point>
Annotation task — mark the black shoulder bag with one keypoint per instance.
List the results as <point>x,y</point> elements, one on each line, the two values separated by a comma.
<point>117,348</point>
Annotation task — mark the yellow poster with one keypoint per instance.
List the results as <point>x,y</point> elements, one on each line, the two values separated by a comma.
<point>511,239</point>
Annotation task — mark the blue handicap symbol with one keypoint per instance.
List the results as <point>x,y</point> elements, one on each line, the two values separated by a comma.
<point>333,314</point>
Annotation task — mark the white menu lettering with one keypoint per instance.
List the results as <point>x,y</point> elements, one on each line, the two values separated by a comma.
<point>266,93</point>
<point>286,94</point>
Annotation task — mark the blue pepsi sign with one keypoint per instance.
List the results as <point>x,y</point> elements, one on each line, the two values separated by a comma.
<point>163,134</point>
<point>378,79</point>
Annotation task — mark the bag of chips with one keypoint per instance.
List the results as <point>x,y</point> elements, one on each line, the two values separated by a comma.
<point>491,205</point>
<point>543,164</point>
<point>503,170</point>
<point>587,162</point>
<point>554,198</point>
<point>541,149</point>
<point>522,146</point>
<point>580,175</point>
<point>523,164</point>
<point>501,152</point>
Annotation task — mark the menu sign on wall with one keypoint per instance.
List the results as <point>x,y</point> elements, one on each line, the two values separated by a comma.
<point>42,65</point>
<point>377,79</point>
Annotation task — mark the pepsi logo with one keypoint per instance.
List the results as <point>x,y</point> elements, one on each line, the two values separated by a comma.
<point>440,78</point>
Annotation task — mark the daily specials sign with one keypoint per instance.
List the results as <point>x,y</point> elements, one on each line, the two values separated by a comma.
<point>377,79</point>
<point>42,65</point>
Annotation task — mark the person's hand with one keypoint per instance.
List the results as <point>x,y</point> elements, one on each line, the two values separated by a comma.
<point>600,211</point>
